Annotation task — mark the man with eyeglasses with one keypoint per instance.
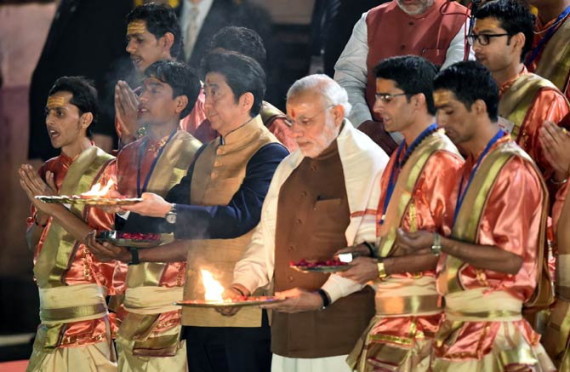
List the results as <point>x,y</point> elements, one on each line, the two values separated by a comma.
<point>416,193</point>
<point>322,198</point>
<point>433,29</point>
<point>550,55</point>
<point>501,37</point>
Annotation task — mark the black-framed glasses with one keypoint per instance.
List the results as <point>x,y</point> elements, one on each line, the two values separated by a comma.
<point>388,97</point>
<point>483,39</point>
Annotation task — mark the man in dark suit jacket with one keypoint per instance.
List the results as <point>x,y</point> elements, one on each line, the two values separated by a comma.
<point>85,39</point>
<point>224,13</point>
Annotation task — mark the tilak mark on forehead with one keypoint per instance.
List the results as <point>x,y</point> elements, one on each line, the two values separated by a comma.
<point>55,101</point>
<point>136,27</point>
<point>442,97</point>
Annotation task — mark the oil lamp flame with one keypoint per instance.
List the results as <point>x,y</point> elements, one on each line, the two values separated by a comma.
<point>212,287</point>
<point>98,190</point>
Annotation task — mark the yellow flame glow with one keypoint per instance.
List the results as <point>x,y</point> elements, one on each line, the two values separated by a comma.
<point>212,287</point>
<point>98,190</point>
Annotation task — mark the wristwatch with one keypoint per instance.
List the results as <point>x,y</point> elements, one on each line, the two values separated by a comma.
<point>171,215</point>
<point>436,245</point>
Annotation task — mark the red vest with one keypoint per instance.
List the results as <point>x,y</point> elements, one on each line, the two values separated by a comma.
<point>392,32</point>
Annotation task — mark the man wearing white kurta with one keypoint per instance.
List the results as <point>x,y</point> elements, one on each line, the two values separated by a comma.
<point>322,198</point>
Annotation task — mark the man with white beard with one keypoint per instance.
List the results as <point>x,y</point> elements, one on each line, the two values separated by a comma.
<point>433,29</point>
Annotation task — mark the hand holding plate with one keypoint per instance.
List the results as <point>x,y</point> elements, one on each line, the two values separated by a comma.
<point>233,294</point>
<point>152,205</point>
<point>296,301</point>
<point>414,242</point>
<point>362,270</point>
<point>106,251</point>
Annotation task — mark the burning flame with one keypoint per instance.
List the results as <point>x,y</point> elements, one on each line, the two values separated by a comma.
<point>98,190</point>
<point>212,287</point>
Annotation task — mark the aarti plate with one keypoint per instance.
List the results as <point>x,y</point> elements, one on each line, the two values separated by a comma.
<point>134,240</point>
<point>249,301</point>
<point>315,266</point>
<point>76,199</point>
<point>321,268</point>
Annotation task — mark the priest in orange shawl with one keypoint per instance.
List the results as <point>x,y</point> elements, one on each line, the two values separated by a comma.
<point>501,38</point>
<point>75,330</point>
<point>149,335</point>
<point>416,193</point>
<point>493,262</point>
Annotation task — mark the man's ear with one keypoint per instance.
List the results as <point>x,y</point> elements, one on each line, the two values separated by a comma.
<point>419,100</point>
<point>519,40</point>
<point>167,41</point>
<point>85,120</point>
<point>479,107</point>
<point>337,112</point>
<point>181,103</point>
<point>246,101</point>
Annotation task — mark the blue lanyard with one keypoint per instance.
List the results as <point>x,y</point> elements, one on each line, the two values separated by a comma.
<point>530,59</point>
<point>152,166</point>
<point>462,190</point>
<point>400,163</point>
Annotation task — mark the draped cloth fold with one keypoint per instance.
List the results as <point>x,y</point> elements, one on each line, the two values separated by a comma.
<point>399,337</point>
<point>152,300</point>
<point>62,305</point>
<point>485,331</point>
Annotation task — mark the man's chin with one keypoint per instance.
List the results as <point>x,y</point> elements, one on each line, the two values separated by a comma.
<point>413,10</point>
<point>306,151</point>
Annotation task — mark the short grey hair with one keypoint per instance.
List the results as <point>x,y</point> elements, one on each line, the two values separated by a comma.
<point>329,89</point>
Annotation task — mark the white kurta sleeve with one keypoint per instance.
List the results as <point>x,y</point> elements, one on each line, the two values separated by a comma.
<point>351,72</point>
<point>456,50</point>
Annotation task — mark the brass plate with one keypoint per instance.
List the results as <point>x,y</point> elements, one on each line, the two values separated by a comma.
<point>251,301</point>
<point>75,199</point>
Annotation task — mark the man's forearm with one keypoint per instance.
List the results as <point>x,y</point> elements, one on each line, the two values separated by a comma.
<point>71,223</point>
<point>483,256</point>
<point>33,235</point>
<point>171,252</point>
<point>410,264</point>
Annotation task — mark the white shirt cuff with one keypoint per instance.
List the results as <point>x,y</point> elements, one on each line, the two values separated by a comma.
<point>337,287</point>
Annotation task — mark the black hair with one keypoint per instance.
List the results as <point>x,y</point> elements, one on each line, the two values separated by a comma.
<point>159,19</point>
<point>181,78</point>
<point>470,81</point>
<point>242,73</point>
<point>514,17</point>
<point>242,40</point>
<point>412,74</point>
<point>83,95</point>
